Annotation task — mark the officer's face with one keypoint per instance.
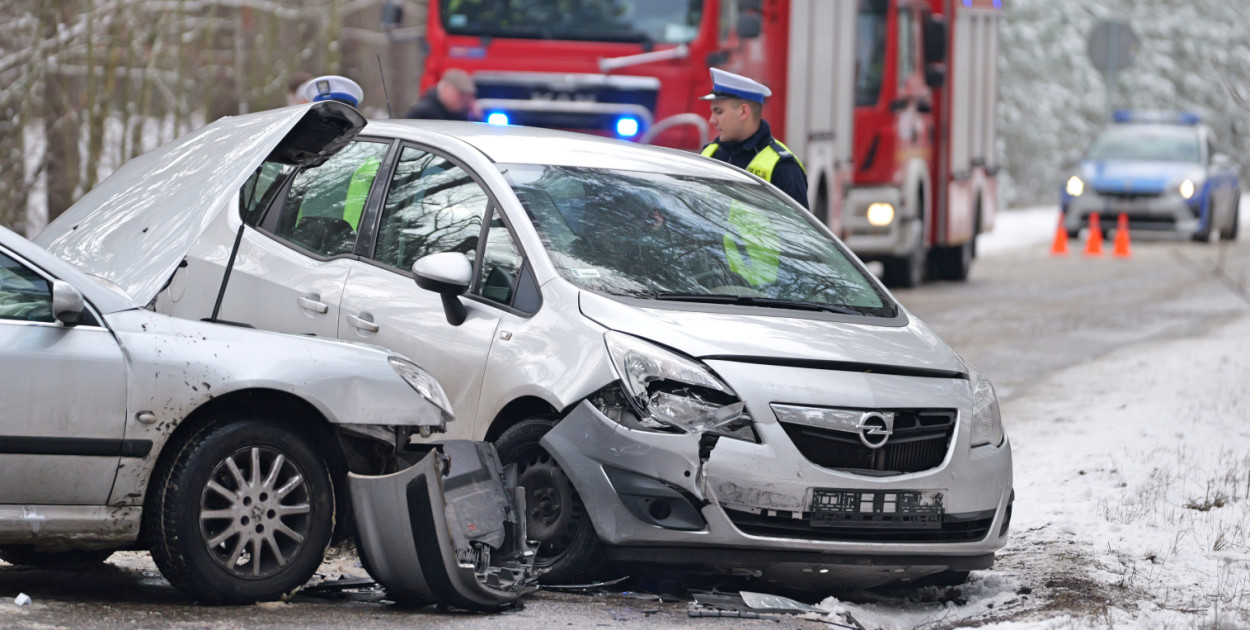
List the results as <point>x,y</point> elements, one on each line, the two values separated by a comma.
<point>731,118</point>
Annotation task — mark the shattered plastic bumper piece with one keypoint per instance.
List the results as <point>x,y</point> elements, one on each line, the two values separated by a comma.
<point>449,529</point>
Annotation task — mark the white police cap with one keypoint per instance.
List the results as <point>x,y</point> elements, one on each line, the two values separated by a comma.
<point>332,87</point>
<point>730,85</point>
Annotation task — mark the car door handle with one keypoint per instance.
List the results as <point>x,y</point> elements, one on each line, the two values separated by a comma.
<point>361,323</point>
<point>311,303</point>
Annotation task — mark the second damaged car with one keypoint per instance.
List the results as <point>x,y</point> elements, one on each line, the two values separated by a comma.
<point>222,450</point>
<point>683,364</point>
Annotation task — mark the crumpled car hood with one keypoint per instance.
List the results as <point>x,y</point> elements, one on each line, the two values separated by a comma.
<point>136,226</point>
<point>704,334</point>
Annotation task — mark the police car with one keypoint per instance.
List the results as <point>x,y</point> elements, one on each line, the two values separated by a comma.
<point>1163,170</point>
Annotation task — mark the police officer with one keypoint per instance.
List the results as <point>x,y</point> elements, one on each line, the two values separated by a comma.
<point>745,139</point>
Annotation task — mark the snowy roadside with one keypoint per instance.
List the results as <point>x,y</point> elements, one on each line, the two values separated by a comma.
<point>1132,481</point>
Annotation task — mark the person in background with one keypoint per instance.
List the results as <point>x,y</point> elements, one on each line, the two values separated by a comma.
<point>745,139</point>
<point>332,87</point>
<point>293,84</point>
<point>454,97</point>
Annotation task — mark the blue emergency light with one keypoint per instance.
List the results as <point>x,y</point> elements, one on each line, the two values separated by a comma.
<point>497,118</point>
<point>627,126</point>
<point>1155,116</point>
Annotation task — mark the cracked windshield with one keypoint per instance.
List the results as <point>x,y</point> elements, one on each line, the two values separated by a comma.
<point>677,238</point>
<point>657,21</point>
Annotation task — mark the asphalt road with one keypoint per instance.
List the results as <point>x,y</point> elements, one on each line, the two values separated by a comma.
<point>1021,315</point>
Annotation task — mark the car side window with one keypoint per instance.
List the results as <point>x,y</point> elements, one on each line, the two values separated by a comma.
<point>501,264</point>
<point>322,208</point>
<point>24,295</point>
<point>432,206</point>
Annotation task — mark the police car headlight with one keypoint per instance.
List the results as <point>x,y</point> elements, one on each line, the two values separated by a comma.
<point>1187,188</point>
<point>880,214</point>
<point>987,423</point>
<point>665,392</point>
<point>425,385</point>
<point>1075,186</point>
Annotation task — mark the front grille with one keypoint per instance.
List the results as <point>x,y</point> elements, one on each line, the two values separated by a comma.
<point>1120,195</point>
<point>919,442</point>
<point>955,528</point>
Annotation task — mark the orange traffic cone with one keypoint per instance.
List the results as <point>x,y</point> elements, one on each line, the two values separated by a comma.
<point>1093,245</point>
<point>1060,245</point>
<point>1122,247</point>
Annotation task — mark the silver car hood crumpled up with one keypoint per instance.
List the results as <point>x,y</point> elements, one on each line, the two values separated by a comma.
<point>134,228</point>
<point>703,334</point>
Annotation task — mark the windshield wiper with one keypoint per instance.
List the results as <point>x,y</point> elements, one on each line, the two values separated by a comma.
<point>747,300</point>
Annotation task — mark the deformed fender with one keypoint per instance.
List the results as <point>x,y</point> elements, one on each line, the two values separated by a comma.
<point>449,529</point>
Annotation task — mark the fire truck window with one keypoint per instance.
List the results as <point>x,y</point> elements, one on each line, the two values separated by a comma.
<point>869,51</point>
<point>906,47</point>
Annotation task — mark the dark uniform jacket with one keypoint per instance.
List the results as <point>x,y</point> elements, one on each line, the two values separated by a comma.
<point>429,107</point>
<point>788,175</point>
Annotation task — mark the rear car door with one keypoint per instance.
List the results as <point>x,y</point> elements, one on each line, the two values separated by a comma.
<point>63,395</point>
<point>290,271</point>
<point>433,204</point>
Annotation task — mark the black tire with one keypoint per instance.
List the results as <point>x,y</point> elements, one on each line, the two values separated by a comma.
<point>27,556</point>
<point>954,263</point>
<point>254,559</point>
<point>1203,234</point>
<point>569,549</point>
<point>1231,233</point>
<point>906,271</point>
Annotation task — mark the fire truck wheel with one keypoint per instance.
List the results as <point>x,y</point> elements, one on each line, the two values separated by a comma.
<point>906,271</point>
<point>954,263</point>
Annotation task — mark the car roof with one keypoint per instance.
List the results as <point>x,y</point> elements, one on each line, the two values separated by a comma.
<point>533,145</point>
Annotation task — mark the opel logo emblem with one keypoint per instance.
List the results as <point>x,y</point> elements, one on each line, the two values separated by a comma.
<point>875,428</point>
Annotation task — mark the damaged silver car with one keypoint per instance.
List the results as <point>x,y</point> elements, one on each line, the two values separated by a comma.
<point>683,365</point>
<point>221,449</point>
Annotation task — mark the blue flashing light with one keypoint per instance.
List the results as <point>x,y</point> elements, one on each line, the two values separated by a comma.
<point>627,126</point>
<point>967,3</point>
<point>1155,116</point>
<point>497,118</point>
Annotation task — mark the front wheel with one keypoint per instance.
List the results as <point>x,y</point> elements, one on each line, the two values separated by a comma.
<point>1231,233</point>
<point>242,512</point>
<point>569,549</point>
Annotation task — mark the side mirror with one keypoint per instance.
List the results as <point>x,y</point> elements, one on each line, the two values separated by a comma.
<point>67,303</point>
<point>449,275</point>
<point>934,39</point>
<point>934,75</point>
<point>750,26</point>
<point>1221,160</point>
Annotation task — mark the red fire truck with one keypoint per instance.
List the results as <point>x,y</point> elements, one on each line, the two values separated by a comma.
<point>924,156</point>
<point>861,83</point>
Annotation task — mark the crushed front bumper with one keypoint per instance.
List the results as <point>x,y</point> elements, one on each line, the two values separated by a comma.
<point>731,504</point>
<point>449,529</point>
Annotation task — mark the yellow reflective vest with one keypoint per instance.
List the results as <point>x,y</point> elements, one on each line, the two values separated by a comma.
<point>764,162</point>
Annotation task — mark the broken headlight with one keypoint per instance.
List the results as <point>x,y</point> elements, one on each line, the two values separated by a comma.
<point>425,384</point>
<point>987,422</point>
<point>662,391</point>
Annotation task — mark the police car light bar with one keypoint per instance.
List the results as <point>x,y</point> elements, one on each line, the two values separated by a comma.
<point>1155,116</point>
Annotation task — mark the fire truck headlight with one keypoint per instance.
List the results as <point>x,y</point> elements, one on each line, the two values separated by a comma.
<point>627,126</point>
<point>880,214</point>
<point>1075,186</point>
<point>497,118</point>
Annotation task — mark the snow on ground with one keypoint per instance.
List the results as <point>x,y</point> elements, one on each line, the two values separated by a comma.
<point>1132,480</point>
